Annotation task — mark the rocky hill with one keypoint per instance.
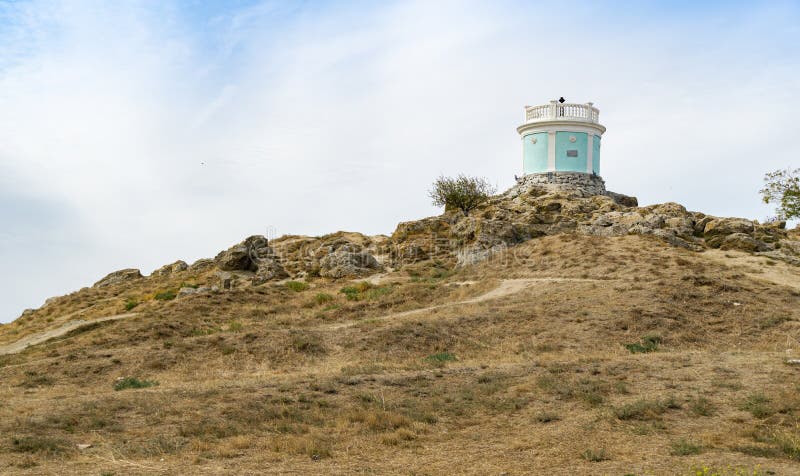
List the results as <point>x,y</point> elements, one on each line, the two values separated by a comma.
<point>546,332</point>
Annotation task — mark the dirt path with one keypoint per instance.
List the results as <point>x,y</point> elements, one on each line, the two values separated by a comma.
<point>506,288</point>
<point>44,336</point>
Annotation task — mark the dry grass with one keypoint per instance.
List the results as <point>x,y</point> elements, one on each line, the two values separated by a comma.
<point>267,379</point>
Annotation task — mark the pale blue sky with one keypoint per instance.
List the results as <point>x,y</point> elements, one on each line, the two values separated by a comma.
<point>133,134</point>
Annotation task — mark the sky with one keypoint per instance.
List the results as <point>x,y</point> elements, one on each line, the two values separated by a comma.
<point>133,134</point>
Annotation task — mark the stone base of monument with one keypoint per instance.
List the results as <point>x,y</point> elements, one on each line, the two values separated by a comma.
<point>584,184</point>
<point>578,183</point>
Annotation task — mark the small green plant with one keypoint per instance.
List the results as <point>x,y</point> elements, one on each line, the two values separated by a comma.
<point>441,357</point>
<point>701,406</point>
<point>130,304</point>
<point>758,405</point>
<point>189,285</point>
<point>684,447</point>
<point>364,291</point>
<point>649,343</point>
<point>227,349</point>
<point>323,298</point>
<point>595,456</point>
<point>235,326</point>
<point>207,331</point>
<point>354,292</point>
<point>640,410</point>
<point>133,382</point>
<point>168,295</point>
<point>297,286</point>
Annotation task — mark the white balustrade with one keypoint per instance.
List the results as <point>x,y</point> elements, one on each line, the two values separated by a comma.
<point>562,111</point>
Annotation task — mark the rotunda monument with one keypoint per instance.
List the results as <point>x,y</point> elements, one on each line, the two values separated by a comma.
<point>561,146</point>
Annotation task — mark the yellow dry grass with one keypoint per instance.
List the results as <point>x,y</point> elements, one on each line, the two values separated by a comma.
<point>515,366</point>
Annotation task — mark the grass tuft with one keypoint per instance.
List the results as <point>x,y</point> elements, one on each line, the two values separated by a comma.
<point>167,295</point>
<point>595,456</point>
<point>133,382</point>
<point>297,286</point>
<point>684,447</point>
<point>649,343</point>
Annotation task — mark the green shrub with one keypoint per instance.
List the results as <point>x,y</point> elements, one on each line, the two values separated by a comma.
<point>648,344</point>
<point>758,405</point>
<point>322,298</point>
<point>354,292</point>
<point>640,410</point>
<point>684,447</point>
<point>701,406</point>
<point>462,192</point>
<point>296,286</point>
<point>364,291</point>
<point>130,304</point>
<point>133,382</point>
<point>235,326</point>
<point>166,295</point>
<point>442,357</point>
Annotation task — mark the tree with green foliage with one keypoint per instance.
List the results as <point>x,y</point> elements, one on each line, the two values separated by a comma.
<point>782,188</point>
<point>462,192</point>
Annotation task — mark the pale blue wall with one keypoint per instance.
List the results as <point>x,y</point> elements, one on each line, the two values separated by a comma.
<point>534,156</point>
<point>596,155</point>
<point>571,164</point>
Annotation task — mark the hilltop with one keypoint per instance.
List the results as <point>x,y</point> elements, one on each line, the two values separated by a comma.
<point>546,332</point>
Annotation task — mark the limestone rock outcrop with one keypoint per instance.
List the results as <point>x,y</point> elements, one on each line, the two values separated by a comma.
<point>172,268</point>
<point>336,255</point>
<point>120,276</point>
<point>342,263</point>
<point>255,255</point>
<point>524,212</point>
<point>528,210</point>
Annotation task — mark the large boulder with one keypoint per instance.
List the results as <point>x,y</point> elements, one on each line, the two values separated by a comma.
<point>254,255</point>
<point>120,276</point>
<point>743,242</point>
<point>624,200</point>
<point>717,229</point>
<point>243,256</point>
<point>203,264</point>
<point>169,269</point>
<point>269,269</point>
<point>343,263</point>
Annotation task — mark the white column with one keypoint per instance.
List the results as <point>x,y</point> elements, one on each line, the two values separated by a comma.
<point>589,152</point>
<point>551,151</point>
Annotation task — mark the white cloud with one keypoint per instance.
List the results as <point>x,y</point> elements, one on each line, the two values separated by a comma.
<point>154,136</point>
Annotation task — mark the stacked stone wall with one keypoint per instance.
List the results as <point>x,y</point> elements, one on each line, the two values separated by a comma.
<point>583,184</point>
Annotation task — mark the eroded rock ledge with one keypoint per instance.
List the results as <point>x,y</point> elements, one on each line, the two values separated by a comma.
<point>526,211</point>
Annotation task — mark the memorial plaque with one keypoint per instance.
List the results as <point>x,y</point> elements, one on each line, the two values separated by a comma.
<point>572,153</point>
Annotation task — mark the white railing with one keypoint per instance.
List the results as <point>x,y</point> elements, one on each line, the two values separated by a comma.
<point>562,111</point>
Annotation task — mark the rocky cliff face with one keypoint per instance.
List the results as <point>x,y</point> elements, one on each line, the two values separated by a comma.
<point>527,211</point>
<point>523,213</point>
